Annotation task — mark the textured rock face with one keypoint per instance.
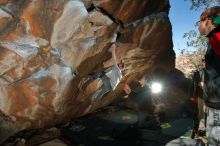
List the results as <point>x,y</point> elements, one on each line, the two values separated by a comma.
<point>48,47</point>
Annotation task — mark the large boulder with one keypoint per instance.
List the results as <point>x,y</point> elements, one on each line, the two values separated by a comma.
<point>49,47</point>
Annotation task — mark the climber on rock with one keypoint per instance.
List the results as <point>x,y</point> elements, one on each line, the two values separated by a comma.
<point>111,76</point>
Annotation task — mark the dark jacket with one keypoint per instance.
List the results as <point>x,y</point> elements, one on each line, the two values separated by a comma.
<point>143,99</point>
<point>212,70</point>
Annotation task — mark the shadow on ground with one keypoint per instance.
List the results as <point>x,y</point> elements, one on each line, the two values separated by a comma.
<point>109,126</point>
<point>118,128</point>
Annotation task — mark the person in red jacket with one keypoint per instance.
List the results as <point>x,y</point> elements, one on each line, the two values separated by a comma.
<point>210,27</point>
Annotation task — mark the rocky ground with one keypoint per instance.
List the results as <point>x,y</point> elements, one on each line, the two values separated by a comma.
<point>112,125</point>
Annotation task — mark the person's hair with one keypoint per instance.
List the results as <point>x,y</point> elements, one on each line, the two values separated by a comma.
<point>121,65</point>
<point>210,13</point>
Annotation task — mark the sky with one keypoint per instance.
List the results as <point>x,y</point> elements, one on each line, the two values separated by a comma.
<point>182,20</point>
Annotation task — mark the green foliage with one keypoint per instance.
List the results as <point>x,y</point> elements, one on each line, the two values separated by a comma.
<point>195,40</point>
<point>197,58</point>
<point>203,3</point>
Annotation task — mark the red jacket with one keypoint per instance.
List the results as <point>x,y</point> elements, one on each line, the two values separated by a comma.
<point>215,43</point>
